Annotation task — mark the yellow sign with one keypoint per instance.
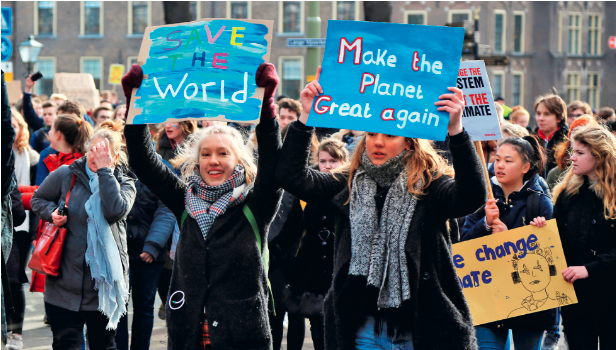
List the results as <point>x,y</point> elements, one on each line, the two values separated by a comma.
<point>116,71</point>
<point>513,273</point>
<point>8,77</point>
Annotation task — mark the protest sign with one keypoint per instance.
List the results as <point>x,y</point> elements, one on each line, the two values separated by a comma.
<point>479,119</point>
<point>201,70</point>
<point>78,87</point>
<point>386,77</point>
<point>513,273</point>
<point>116,71</point>
<point>13,89</point>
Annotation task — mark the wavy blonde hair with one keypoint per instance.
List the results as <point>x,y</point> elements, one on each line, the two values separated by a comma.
<point>422,162</point>
<point>23,135</point>
<point>188,153</point>
<point>112,130</point>
<point>602,145</point>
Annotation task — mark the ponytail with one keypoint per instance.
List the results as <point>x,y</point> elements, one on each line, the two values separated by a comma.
<point>531,151</point>
<point>76,131</point>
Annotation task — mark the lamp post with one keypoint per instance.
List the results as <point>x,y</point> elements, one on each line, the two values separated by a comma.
<point>29,51</point>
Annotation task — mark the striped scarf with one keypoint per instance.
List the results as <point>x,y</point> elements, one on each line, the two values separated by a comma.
<point>205,203</point>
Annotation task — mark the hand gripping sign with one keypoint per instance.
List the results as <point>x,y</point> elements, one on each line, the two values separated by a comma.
<point>386,77</point>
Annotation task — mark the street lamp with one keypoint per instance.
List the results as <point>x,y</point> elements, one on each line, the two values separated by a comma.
<point>29,51</point>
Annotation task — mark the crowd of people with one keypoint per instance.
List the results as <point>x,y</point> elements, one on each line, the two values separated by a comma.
<point>244,231</point>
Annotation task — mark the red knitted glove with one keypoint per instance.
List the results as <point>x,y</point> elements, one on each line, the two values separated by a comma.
<point>131,80</point>
<point>268,78</point>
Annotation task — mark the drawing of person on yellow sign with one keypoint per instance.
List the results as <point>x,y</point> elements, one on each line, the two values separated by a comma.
<point>534,271</point>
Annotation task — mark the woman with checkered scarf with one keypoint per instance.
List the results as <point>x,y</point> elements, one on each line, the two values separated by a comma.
<point>219,296</point>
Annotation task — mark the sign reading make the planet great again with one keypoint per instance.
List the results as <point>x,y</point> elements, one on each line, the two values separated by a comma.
<point>386,77</point>
<point>201,70</point>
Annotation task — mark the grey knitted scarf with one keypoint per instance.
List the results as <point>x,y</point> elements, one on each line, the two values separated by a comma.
<point>378,246</point>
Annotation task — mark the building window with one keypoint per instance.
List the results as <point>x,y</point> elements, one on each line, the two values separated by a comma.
<point>575,34</point>
<point>518,32</point>
<point>594,35</point>
<point>130,61</point>
<point>345,10</point>
<point>45,13</point>
<point>456,16</point>
<point>518,89</point>
<point>92,18</point>
<point>291,14</point>
<point>592,90</point>
<point>573,87</point>
<point>292,73</point>
<point>498,82</point>
<point>47,66</point>
<point>239,9</point>
<point>139,17</point>
<point>499,31</point>
<point>416,17</point>
<point>94,66</point>
<point>195,10</point>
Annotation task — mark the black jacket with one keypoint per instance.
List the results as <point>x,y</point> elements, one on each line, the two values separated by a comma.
<point>560,136</point>
<point>8,138</point>
<point>588,240</point>
<point>224,273</point>
<point>439,314</point>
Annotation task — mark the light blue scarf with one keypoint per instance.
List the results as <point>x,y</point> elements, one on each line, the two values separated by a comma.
<point>103,257</point>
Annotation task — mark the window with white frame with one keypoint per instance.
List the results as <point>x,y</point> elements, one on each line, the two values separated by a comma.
<point>498,82</point>
<point>594,35</point>
<point>518,32</point>
<point>45,13</point>
<point>456,16</point>
<point>291,20</point>
<point>573,87</point>
<point>416,17</point>
<point>575,34</point>
<point>500,23</point>
<point>518,89</point>
<point>345,10</point>
<point>91,18</point>
<point>593,90</point>
<point>139,18</point>
<point>292,72</point>
<point>94,66</point>
<point>238,9</point>
<point>47,66</point>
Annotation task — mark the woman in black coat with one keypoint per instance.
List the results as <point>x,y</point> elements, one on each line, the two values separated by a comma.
<point>224,211</point>
<point>427,309</point>
<point>585,211</point>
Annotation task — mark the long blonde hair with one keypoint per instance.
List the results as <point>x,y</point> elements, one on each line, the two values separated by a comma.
<point>602,145</point>
<point>188,153</point>
<point>23,135</point>
<point>422,162</point>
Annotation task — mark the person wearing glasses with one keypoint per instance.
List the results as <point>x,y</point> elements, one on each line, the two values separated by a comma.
<point>577,109</point>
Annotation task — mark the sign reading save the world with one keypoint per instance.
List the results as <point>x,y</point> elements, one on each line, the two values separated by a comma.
<point>386,77</point>
<point>201,70</point>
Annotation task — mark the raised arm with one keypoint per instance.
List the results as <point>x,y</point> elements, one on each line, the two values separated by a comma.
<point>8,137</point>
<point>34,121</point>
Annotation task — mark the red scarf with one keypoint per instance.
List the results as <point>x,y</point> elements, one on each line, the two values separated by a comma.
<point>546,138</point>
<point>54,161</point>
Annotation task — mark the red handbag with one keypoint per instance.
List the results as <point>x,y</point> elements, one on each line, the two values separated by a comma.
<point>48,251</point>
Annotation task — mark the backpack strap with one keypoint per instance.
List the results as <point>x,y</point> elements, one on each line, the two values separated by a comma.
<point>184,215</point>
<point>533,202</point>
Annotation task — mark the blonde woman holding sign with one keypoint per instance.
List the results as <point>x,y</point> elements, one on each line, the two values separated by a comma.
<point>394,281</point>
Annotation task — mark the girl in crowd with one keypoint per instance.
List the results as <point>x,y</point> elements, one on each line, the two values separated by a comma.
<point>219,293</point>
<point>519,116</point>
<point>577,109</point>
<point>585,211</point>
<point>171,136</point>
<point>414,300</point>
<point>120,112</point>
<point>92,287</point>
<point>551,115</point>
<point>561,154</point>
<point>516,181</point>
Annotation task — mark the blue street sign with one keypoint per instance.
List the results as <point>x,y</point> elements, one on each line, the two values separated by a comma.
<point>7,49</point>
<point>7,21</point>
<point>307,42</point>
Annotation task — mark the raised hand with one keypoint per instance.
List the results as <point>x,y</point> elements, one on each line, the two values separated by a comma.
<point>29,84</point>
<point>454,105</point>
<point>131,80</point>
<point>267,78</point>
<point>308,94</point>
<point>101,154</point>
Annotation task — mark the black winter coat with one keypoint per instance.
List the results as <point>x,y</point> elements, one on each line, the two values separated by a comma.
<point>223,274</point>
<point>439,315</point>
<point>588,240</point>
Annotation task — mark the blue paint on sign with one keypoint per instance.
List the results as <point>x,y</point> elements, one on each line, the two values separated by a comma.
<point>385,78</point>
<point>7,21</point>
<point>7,49</point>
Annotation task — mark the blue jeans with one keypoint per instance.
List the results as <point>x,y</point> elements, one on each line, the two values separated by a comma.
<point>489,339</point>
<point>367,339</point>
<point>144,282</point>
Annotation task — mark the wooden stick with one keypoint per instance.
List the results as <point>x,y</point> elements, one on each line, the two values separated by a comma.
<point>485,168</point>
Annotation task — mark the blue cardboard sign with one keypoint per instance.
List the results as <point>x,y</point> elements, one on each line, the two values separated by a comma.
<point>386,77</point>
<point>201,70</point>
<point>7,21</point>
<point>7,49</point>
